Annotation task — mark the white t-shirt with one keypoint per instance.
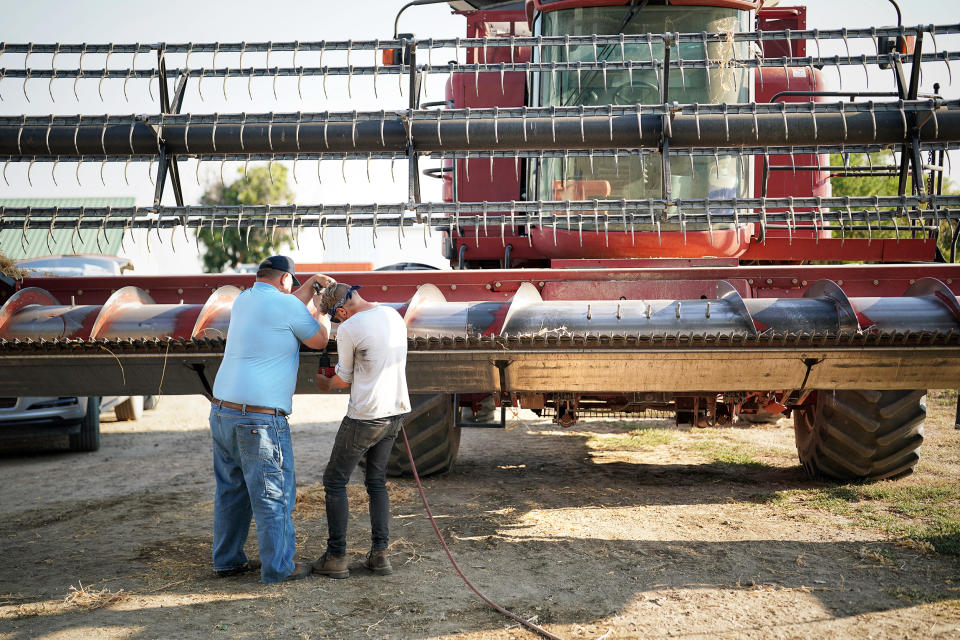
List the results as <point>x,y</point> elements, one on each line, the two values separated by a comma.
<point>372,357</point>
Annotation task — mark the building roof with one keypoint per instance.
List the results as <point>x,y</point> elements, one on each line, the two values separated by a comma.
<point>40,242</point>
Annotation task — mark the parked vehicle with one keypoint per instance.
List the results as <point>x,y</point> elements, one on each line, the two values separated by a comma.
<point>75,416</point>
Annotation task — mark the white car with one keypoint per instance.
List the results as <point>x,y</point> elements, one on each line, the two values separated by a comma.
<point>78,417</point>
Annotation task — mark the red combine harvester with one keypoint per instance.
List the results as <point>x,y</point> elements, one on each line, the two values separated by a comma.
<point>636,200</point>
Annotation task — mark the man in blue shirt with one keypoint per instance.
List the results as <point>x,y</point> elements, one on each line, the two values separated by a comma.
<point>253,395</point>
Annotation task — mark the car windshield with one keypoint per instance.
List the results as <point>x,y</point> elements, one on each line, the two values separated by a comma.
<point>633,175</point>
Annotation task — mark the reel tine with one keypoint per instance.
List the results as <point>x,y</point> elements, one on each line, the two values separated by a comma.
<point>683,219</point>
<point>450,73</point>
<point>791,221</point>
<point>49,234</point>
<point>349,73</point>
<point>29,169</point>
<point>376,66</point>
<point>706,60</point>
<point>476,68</point>
<point>683,78</point>
<point>786,126</point>
<point>83,52</point>
<point>763,221</point>
<point>323,47</point>
<point>726,121</point>
<point>103,76</point>
<point>353,129</point>
<point>706,208</point>
<point>53,74</point>
<point>23,233</point>
<point>843,119</point>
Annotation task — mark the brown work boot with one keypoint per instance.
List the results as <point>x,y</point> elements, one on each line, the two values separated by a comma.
<point>300,571</point>
<point>378,562</point>
<point>332,566</point>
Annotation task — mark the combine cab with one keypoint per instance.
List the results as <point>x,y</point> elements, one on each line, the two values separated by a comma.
<point>636,203</point>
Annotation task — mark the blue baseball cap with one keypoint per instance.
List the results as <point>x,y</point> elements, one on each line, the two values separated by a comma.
<point>281,263</point>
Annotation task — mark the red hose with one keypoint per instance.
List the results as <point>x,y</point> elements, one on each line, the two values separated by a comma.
<point>529,625</point>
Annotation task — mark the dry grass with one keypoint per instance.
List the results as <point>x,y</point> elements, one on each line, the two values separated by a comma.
<point>89,599</point>
<point>10,269</point>
<point>311,503</point>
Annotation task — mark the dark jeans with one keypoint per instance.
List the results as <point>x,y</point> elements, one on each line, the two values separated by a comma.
<point>356,437</point>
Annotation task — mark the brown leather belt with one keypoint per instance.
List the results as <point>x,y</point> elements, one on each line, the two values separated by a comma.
<point>250,408</point>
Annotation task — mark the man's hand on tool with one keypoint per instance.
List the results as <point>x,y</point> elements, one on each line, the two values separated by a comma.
<point>329,384</point>
<point>308,291</point>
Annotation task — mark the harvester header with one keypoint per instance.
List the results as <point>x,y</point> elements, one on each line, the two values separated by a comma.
<point>636,205</point>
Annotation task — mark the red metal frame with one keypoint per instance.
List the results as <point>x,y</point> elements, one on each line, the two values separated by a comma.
<point>766,281</point>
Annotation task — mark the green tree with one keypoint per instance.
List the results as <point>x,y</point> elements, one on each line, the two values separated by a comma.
<point>227,246</point>
<point>883,186</point>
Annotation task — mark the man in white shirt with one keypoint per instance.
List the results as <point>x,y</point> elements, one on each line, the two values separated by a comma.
<point>372,361</point>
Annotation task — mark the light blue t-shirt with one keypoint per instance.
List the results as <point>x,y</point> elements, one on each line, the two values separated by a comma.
<point>262,356</point>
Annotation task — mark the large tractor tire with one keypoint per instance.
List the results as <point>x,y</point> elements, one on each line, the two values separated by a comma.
<point>434,438</point>
<point>88,438</point>
<point>860,435</point>
<point>129,409</point>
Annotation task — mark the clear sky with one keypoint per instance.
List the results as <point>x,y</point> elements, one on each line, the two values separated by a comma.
<point>126,21</point>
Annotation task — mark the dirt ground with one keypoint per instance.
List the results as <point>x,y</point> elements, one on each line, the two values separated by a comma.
<point>596,533</point>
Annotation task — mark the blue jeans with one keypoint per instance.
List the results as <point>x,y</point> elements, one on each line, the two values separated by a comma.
<point>253,465</point>
<point>354,439</point>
